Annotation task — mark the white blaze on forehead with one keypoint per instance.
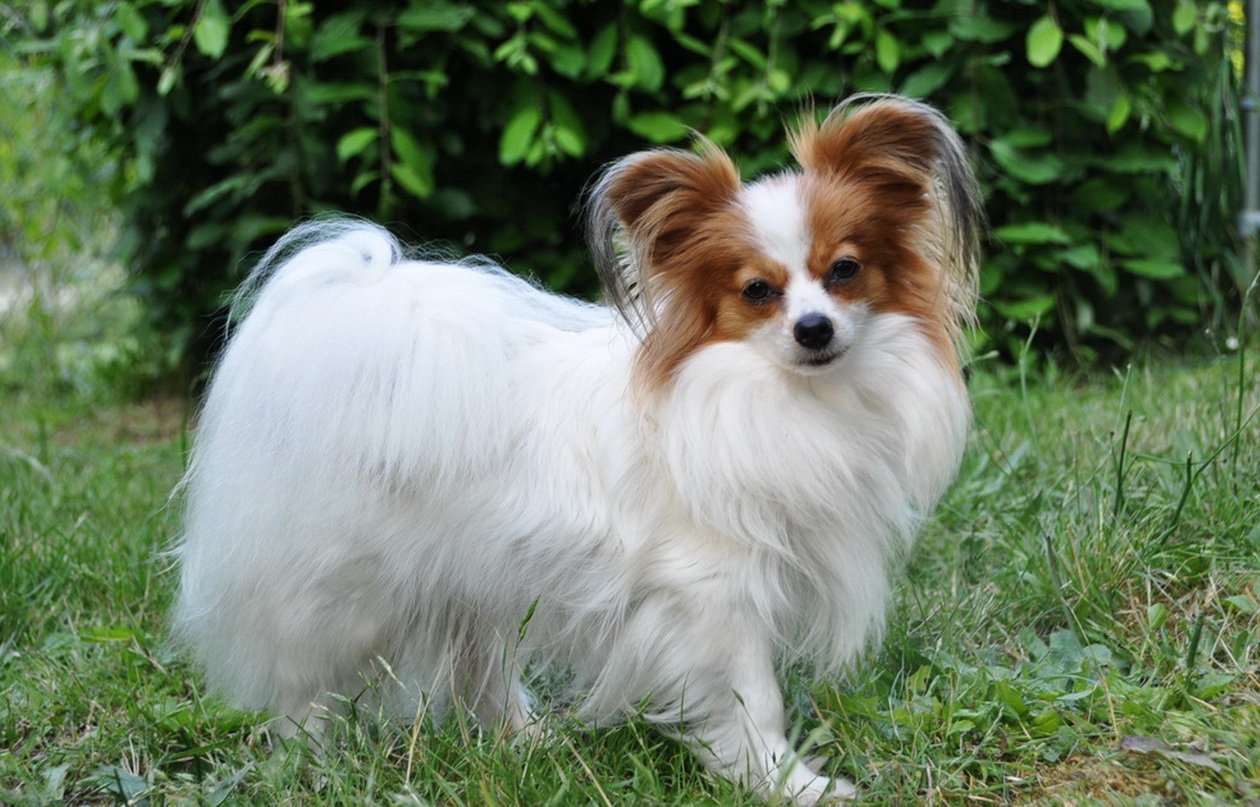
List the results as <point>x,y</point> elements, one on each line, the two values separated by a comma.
<point>777,214</point>
<point>778,219</point>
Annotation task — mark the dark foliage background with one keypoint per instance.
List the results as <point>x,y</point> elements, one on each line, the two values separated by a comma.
<point>1104,131</point>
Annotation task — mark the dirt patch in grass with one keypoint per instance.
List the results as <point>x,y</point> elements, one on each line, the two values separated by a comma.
<point>149,421</point>
<point>153,420</point>
<point>1092,779</point>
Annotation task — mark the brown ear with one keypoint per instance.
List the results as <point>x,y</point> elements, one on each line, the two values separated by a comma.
<point>903,148</point>
<point>886,137</point>
<point>643,210</point>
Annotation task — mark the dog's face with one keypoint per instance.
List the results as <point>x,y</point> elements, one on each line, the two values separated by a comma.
<point>821,263</point>
<point>795,264</point>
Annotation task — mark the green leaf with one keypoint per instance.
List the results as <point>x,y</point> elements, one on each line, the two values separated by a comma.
<point>455,203</point>
<point>233,186</point>
<point>1208,687</point>
<point>602,50</point>
<point>1187,120</point>
<point>1082,256</point>
<point>519,133</point>
<point>887,51</point>
<point>658,127</point>
<point>1184,17</point>
<point>1103,85</point>
<point>646,68</point>
<point>1153,269</point>
<point>1119,114</point>
<point>1033,232</point>
<point>515,53</point>
<point>132,22</point>
<point>338,35</point>
<point>362,180</point>
<point>1108,34</point>
<point>102,633</point>
<point>1045,39</point>
<point>120,783</point>
<point>1243,603</point>
<point>927,79</point>
<point>1035,168</point>
<point>415,183</point>
<point>435,15</point>
<point>121,87</point>
<point>1145,236</point>
<point>1026,310</point>
<point>778,81</point>
<point>1088,49</point>
<point>554,20</point>
<point>337,94</point>
<point>749,52</point>
<point>569,132</point>
<point>937,43</point>
<point>1137,158</point>
<point>414,167</point>
<point>352,143</point>
<point>1156,62</point>
<point>1010,698</point>
<point>1088,258</point>
<point>1123,5</point>
<point>37,13</point>
<point>1080,694</point>
<point>210,34</point>
<point>568,60</point>
<point>1030,136</point>
<point>1156,616</point>
<point>166,81</point>
<point>981,29</point>
<point>1138,18</point>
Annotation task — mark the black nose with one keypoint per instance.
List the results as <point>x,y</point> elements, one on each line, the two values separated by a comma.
<point>813,331</point>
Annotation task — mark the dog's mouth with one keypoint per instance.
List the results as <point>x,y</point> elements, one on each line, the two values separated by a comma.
<point>823,358</point>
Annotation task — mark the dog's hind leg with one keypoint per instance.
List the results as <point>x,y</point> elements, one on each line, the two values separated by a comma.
<point>474,669</point>
<point>494,689</point>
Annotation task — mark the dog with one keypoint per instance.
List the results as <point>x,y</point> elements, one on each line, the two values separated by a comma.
<point>441,470</point>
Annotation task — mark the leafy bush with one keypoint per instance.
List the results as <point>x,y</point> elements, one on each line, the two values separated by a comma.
<point>60,322</point>
<point>51,171</point>
<point>1103,130</point>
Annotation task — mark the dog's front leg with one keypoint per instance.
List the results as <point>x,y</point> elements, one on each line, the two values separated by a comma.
<point>742,735</point>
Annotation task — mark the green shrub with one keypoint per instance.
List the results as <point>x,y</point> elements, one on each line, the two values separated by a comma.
<point>1103,130</point>
<point>52,172</point>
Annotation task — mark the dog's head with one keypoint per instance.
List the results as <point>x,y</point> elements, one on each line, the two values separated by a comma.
<point>881,217</point>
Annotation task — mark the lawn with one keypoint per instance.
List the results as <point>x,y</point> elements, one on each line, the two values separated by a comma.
<point>1078,625</point>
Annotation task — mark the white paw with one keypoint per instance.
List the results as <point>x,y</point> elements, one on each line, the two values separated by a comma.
<point>803,786</point>
<point>530,729</point>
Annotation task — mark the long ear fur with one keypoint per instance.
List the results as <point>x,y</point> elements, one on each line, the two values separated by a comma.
<point>893,142</point>
<point>642,214</point>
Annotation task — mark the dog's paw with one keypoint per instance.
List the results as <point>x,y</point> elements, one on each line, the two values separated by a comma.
<point>804,787</point>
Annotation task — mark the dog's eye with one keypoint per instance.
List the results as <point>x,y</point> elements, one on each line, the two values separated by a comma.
<point>759,291</point>
<point>843,271</point>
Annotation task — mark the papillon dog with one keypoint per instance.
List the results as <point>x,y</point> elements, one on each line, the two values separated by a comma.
<point>431,479</point>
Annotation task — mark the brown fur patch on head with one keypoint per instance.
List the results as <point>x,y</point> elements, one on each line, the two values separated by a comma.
<point>891,176</point>
<point>685,238</point>
<point>877,227</point>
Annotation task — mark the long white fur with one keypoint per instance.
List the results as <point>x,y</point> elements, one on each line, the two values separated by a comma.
<point>398,460</point>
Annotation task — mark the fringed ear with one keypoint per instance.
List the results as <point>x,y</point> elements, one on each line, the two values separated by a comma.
<point>643,211</point>
<point>897,146</point>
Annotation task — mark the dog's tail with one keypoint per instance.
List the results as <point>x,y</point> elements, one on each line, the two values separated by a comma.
<point>325,243</point>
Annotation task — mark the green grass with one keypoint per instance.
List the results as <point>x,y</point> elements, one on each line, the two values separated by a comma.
<point>1079,624</point>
